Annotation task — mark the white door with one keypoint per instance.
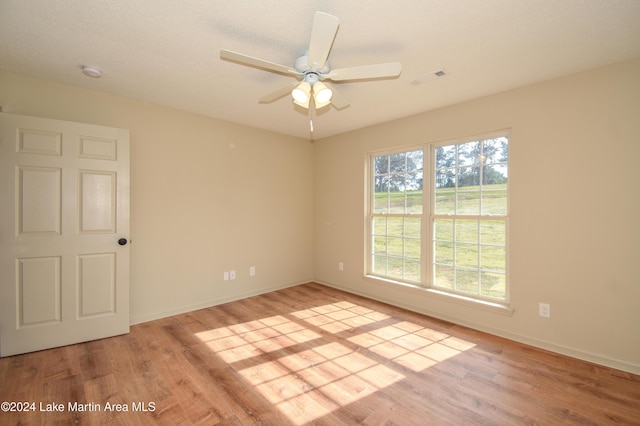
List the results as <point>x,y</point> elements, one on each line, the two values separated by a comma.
<point>64,226</point>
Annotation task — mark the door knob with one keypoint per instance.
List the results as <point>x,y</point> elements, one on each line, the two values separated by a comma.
<point>122,241</point>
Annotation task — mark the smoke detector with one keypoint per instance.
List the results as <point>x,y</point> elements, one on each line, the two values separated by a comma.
<point>92,72</point>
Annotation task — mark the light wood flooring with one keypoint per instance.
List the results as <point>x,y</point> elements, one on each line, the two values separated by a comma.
<point>312,355</point>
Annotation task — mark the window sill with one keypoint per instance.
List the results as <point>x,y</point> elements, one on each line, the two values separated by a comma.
<point>499,308</point>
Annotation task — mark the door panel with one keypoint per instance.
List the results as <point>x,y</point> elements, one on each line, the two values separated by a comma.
<point>39,200</point>
<point>97,202</point>
<point>39,142</point>
<point>38,291</point>
<point>97,285</point>
<point>65,203</point>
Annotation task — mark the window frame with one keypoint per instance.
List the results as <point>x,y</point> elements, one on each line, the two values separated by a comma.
<point>428,216</point>
<point>370,213</point>
<point>480,217</point>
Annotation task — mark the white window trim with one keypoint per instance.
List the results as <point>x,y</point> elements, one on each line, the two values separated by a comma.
<point>458,299</point>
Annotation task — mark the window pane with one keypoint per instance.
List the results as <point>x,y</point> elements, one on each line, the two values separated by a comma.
<point>495,150</point>
<point>380,225</point>
<point>467,280</point>
<point>445,201</point>
<point>443,229</point>
<point>466,255</point>
<point>494,202</point>
<point>379,265</point>
<point>395,246</point>
<point>444,252</point>
<point>415,161</point>
<point>494,189</point>
<point>413,233</point>
<point>395,268</point>
<point>414,192</point>
<point>412,270</point>
<point>445,178</point>
<point>412,248</point>
<point>414,202</point>
<point>445,156</point>
<point>469,153</point>
<point>443,276</point>
<point>492,257</point>
<point>493,232</point>
<point>395,226</point>
<point>381,197</point>
<point>380,245</point>
<point>381,165</point>
<point>493,285</point>
<point>467,230</point>
<point>396,182</point>
<point>494,175</point>
<point>412,227</point>
<point>396,202</point>
<point>468,176</point>
<point>468,202</point>
<point>397,163</point>
<point>414,181</point>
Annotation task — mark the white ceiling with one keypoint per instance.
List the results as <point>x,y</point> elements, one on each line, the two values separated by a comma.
<point>167,51</point>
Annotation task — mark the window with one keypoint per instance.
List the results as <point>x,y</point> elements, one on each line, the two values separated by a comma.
<point>396,226</point>
<point>464,217</point>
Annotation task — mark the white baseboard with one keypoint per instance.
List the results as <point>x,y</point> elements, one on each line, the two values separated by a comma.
<point>209,303</point>
<point>560,349</point>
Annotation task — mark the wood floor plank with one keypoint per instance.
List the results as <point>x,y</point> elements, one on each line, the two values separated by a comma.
<point>311,354</point>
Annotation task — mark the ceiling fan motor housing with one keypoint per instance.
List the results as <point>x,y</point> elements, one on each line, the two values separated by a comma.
<point>310,77</point>
<point>302,66</point>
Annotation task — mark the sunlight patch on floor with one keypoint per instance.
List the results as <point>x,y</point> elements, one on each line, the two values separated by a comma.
<point>277,355</point>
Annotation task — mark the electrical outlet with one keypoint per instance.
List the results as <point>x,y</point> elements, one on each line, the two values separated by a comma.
<point>252,271</point>
<point>232,275</point>
<point>544,310</point>
<point>340,266</point>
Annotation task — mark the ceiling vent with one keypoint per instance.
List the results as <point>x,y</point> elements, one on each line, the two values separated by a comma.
<point>428,77</point>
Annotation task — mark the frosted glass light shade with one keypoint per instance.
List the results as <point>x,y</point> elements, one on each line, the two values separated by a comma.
<point>302,93</point>
<point>321,93</point>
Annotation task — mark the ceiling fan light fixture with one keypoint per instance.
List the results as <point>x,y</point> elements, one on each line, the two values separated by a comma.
<point>302,93</point>
<point>321,105</point>
<point>321,94</point>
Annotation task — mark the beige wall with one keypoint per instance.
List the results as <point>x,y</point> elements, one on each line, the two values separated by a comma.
<point>575,211</point>
<point>206,196</point>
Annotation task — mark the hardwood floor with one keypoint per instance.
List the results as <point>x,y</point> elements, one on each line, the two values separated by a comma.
<point>311,355</point>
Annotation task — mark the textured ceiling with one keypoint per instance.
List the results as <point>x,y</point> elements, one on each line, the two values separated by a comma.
<point>167,51</point>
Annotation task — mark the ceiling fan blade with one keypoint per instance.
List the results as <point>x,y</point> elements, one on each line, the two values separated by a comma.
<point>337,99</point>
<point>258,63</point>
<point>323,33</point>
<point>273,96</point>
<point>390,69</point>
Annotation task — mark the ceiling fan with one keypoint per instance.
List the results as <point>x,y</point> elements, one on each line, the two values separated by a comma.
<point>312,69</point>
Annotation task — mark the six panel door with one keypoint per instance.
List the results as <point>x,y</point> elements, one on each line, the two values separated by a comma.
<point>64,277</point>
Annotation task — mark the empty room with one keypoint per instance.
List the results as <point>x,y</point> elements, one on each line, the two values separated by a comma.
<point>319,212</point>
